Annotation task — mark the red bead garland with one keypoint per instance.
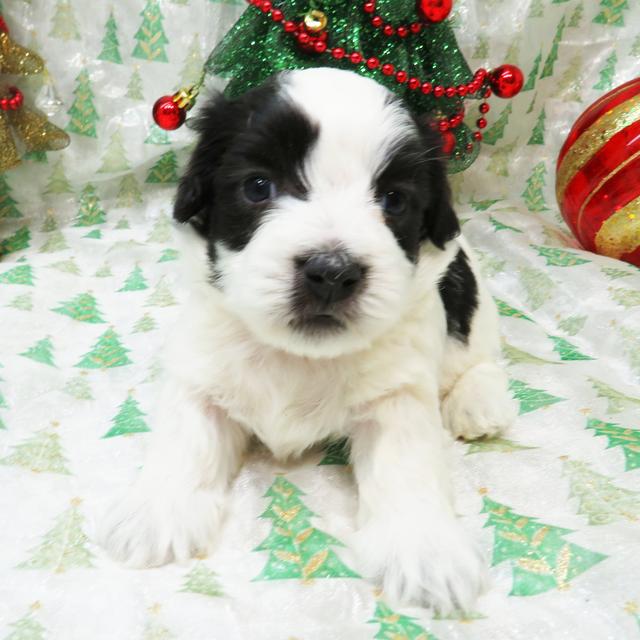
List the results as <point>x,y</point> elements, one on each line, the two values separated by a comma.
<point>13,102</point>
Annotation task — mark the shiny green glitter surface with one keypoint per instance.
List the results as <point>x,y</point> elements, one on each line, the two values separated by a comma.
<point>256,47</point>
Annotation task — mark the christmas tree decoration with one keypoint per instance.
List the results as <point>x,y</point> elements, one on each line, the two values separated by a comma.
<point>150,36</point>
<point>58,182</point>
<point>161,230</point>
<point>490,266</point>
<point>146,323</point>
<point>24,302</point>
<point>536,9</point>
<point>154,630</point>
<point>607,73</point>
<point>202,580</point>
<point>614,274</point>
<point>500,226</point>
<point>635,49</point>
<point>569,85</point>
<point>123,223</point>
<point>164,170</point>
<point>161,296</point>
<point>537,135</point>
<point>396,626</point>
<point>82,307</point>
<point>90,210</point>
<point>337,453</point>
<point>78,387</point>
<point>540,557</point>
<point>134,88</point>
<point>625,297</point>
<point>27,627</point>
<point>63,23</point>
<point>507,310</point>
<point>15,242</point>
<point>96,234</point>
<point>572,324</point>
<point>547,69</point>
<point>516,356</point>
<point>533,74</point>
<point>83,112</point>
<point>157,136</point>
<point>22,274</point>
<point>600,500</point>
<point>496,131</point>
<point>42,453</point>
<point>135,281</point>
<point>596,188</point>
<point>8,207</point>
<point>506,81</point>
<point>129,192</point>
<point>494,445</point>
<point>616,401</point>
<point>531,399</point>
<point>617,436</point>
<point>110,51</point>
<point>67,266</point>
<point>296,548</point>
<point>559,257</point>
<point>114,159</point>
<point>106,353</point>
<point>192,68</point>
<point>65,546</point>
<point>168,255</point>
<point>630,345</point>
<point>537,285</point>
<point>612,13</point>
<point>481,49</point>
<point>567,350</point>
<point>41,351</point>
<point>55,242</point>
<point>128,420</point>
<point>576,16</point>
<point>104,271</point>
<point>501,159</point>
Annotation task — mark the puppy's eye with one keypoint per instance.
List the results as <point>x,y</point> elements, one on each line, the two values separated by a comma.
<point>259,189</point>
<point>394,203</point>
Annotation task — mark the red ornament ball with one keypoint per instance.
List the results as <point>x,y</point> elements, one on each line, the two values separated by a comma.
<point>506,80</point>
<point>434,10</point>
<point>597,173</point>
<point>167,114</point>
<point>448,141</point>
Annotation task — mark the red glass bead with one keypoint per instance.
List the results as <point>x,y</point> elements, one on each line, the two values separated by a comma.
<point>484,107</point>
<point>426,87</point>
<point>438,91</point>
<point>443,125</point>
<point>481,123</point>
<point>413,83</point>
<point>277,15</point>
<point>403,32</point>
<point>320,46</point>
<point>477,135</point>
<point>167,114</point>
<point>506,80</point>
<point>415,27</point>
<point>450,92</point>
<point>289,26</point>
<point>337,53</point>
<point>471,87</point>
<point>266,6</point>
<point>469,147</point>
<point>369,7</point>
<point>480,73</point>
<point>4,104</point>
<point>401,76</point>
<point>434,10</point>
<point>376,21</point>
<point>373,63</point>
<point>448,142</point>
<point>387,69</point>
<point>487,93</point>
<point>388,30</point>
<point>355,57</point>
<point>461,90</point>
<point>303,38</point>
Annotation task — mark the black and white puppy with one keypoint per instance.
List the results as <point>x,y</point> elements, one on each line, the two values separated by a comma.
<point>333,297</point>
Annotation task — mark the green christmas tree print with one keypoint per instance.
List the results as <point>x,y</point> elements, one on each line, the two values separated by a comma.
<point>570,83</point>
<point>49,223</point>
<point>146,323</point>
<point>110,51</point>
<point>531,399</point>
<point>41,351</point>
<point>631,347</point>
<point>35,156</point>
<point>128,419</point>
<point>192,68</point>
<point>566,350</point>
<point>150,36</point>
<point>22,274</point>
<point>114,159</point>
<point>337,452</point>
<point>104,271</point>
<point>22,302</point>
<point>129,193</point>
<point>58,182</point>
<point>625,297</point>
<point>82,307</point>
<point>540,557</point>
<point>123,223</point>
<point>494,445</point>
<point>481,49</point>
<point>559,257</point>
<point>83,112</point>
<point>394,626</point>
<point>614,274</point>
<point>63,23</point>
<point>547,69</point>
<point>616,401</point>
<point>490,266</point>
<point>607,73</point>
<point>612,13</point>
<point>8,207</point>
<point>134,88</point>
<point>78,387</point>
<point>27,627</point>
<point>154,630</point>
<point>572,325</point>
<point>576,16</point>
<point>164,171</point>
<point>296,548</point>
<point>90,210</point>
<point>513,52</point>
<point>536,9</point>
<point>537,285</point>
<point>507,310</point>
<point>42,453</point>
<point>617,436</point>
<point>533,74</point>
<point>532,103</point>
<point>496,131</point>
<point>500,226</point>
<point>161,296</point>
<point>64,546</point>
<point>501,159</point>
<point>67,266</point>
<point>635,48</point>
<point>96,234</point>
<point>16,242</point>
<point>161,230</point>
<point>202,580</point>
<point>168,255</point>
<point>516,356</point>
<point>107,352</point>
<point>601,501</point>
<point>135,281</point>
<point>537,135</point>
<point>157,136</point>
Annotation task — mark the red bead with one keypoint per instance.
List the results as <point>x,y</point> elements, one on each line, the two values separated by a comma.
<point>477,135</point>
<point>480,73</point>
<point>401,76</point>
<point>469,147</point>
<point>481,123</point>
<point>413,83</point>
<point>289,26</point>
<point>415,27</point>
<point>373,63</point>
<point>303,38</point>
<point>4,104</point>
<point>506,80</point>
<point>461,90</point>
<point>487,93</point>
<point>376,21</point>
<point>426,87</point>
<point>266,6</point>
<point>438,91</point>
<point>450,92</point>
<point>320,46</point>
<point>471,88</point>
<point>369,7</point>
<point>387,69</point>
<point>403,32</point>
<point>337,53</point>
<point>277,15</point>
<point>484,107</point>
<point>443,125</point>
<point>388,30</point>
<point>167,114</point>
<point>448,142</point>
<point>434,10</point>
<point>355,58</point>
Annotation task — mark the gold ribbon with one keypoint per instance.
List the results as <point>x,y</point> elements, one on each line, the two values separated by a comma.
<point>620,233</point>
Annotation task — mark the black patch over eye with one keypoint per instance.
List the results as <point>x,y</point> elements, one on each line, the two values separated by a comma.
<point>259,189</point>
<point>394,203</point>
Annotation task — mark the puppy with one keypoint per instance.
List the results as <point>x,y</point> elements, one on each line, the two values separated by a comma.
<point>334,297</point>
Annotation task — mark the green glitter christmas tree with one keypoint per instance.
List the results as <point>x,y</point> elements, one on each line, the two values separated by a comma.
<point>42,453</point>
<point>537,135</point>
<point>161,296</point>
<point>78,387</point>
<point>135,87</point>
<point>617,436</point>
<point>114,159</point>
<point>607,73</point>
<point>616,400</point>
<point>547,70</point>
<point>22,274</point>
<point>58,181</point>
<point>494,445</point>
<point>566,350</point>
<point>8,207</point>
<point>63,23</point>
<point>559,257</point>
<point>82,307</point>
<point>83,112</point>
<point>150,36</point>
<point>135,281</point>
<point>41,351</point>
<point>164,171</point>
<point>533,195</point>
<point>129,192</point>
<point>107,352</point>
<point>146,323</point>
<point>27,627</point>
<point>612,12</point>
<point>394,626</point>
<point>110,51</point>
<point>128,419</point>
<point>90,210</point>
<point>202,580</point>
<point>507,310</point>
<point>531,399</point>
<point>16,242</point>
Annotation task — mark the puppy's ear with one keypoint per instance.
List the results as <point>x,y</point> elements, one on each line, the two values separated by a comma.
<point>196,193</point>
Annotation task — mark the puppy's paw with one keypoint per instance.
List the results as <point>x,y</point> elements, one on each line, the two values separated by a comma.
<point>437,566</point>
<point>479,404</point>
<point>151,528</point>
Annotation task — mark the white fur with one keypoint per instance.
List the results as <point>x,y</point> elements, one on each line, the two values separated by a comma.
<point>235,368</point>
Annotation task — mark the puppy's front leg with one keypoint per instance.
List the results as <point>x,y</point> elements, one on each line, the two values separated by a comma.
<point>175,507</point>
<point>409,538</point>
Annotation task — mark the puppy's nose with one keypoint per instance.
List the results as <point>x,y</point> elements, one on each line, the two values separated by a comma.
<point>331,276</point>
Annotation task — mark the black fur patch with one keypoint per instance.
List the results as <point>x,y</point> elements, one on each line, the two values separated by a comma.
<point>459,292</point>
